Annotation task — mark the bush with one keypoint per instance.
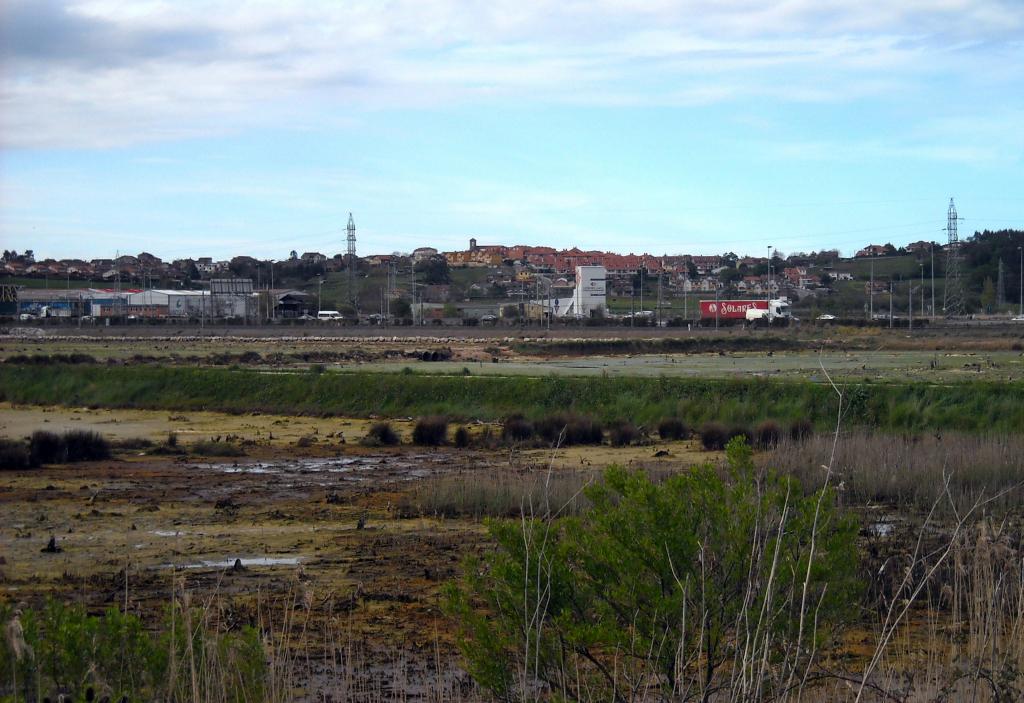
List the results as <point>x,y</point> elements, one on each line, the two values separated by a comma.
<point>800,430</point>
<point>85,445</point>
<point>767,434</point>
<point>516,428</point>
<point>462,437</point>
<point>430,431</point>
<point>46,448</point>
<point>382,433</point>
<point>622,433</point>
<point>740,431</point>
<point>14,456</point>
<point>673,428</point>
<point>598,580</point>
<point>577,429</point>
<point>713,436</point>
<point>113,656</point>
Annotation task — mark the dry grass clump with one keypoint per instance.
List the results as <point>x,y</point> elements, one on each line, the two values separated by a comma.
<point>713,436</point>
<point>430,431</point>
<point>14,455</point>
<point>800,429</point>
<point>905,470</point>
<point>623,433</point>
<point>516,428</point>
<point>498,495</point>
<point>381,434</point>
<point>673,428</point>
<point>569,429</point>
<point>767,434</point>
<point>46,448</point>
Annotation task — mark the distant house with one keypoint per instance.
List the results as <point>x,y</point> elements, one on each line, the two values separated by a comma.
<point>875,250</point>
<point>423,253</point>
<point>313,257</point>
<point>921,247</point>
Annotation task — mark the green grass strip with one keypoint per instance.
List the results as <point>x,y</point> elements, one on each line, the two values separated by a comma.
<point>974,407</point>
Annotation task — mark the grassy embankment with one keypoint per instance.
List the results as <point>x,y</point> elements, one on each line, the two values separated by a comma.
<point>893,407</point>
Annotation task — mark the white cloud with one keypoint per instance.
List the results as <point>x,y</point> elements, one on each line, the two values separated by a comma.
<point>102,73</point>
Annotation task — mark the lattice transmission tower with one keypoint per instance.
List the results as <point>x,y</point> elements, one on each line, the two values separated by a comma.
<point>953,297</point>
<point>351,262</point>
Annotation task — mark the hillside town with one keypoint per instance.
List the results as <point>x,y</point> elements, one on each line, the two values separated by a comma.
<point>483,282</point>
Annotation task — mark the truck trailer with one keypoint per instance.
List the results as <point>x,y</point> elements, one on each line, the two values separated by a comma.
<point>732,311</point>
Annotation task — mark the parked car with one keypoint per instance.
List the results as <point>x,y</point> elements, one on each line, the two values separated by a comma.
<point>826,317</point>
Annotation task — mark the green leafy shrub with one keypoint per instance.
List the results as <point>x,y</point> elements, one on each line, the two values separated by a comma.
<point>430,431</point>
<point>66,649</point>
<point>673,428</point>
<point>684,584</point>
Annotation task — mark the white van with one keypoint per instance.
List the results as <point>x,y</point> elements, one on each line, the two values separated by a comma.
<point>329,315</point>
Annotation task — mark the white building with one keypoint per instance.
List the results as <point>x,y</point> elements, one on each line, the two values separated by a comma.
<point>589,298</point>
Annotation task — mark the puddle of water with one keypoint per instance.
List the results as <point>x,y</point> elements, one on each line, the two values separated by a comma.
<point>228,563</point>
<point>881,529</point>
<point>413,466</point>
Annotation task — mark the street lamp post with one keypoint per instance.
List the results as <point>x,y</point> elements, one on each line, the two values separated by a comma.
<point>1020,250</point>
<point>319,294</point>
<point>933,278</point>
<point>890,303</point>
<point>768,294</point>
<point>922,290</point>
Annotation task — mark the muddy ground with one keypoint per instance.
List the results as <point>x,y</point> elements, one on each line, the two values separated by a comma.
<point>327,527</point>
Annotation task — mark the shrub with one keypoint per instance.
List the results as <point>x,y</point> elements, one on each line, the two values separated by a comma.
<point>740,431</point>
<point>114,656</point>
<point>767,434</point>
<point>46,448</point>
<point>85,445</point>
<point>598,580</point>
<point>430,431</point>
<point>673,428</point>
<point>462,437</point>
<point>516,428</point>
<point>713,436</point>
<point>800,430</point>
<point>382,433</point>
<point>172,439</point>
<point>14,456</point>
<point>570,429</point>
<point>623,432</point>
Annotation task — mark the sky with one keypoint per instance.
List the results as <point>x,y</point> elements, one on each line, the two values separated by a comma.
<point>208,128</point>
